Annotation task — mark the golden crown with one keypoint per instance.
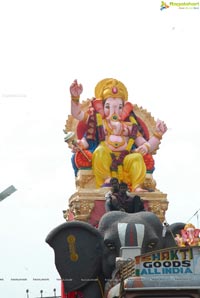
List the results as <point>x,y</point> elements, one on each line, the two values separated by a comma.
<point>110,88</point>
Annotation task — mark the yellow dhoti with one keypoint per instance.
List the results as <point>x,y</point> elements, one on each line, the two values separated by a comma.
<point>133,167</point>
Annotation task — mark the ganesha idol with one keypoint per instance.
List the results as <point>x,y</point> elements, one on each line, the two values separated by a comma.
<point>114,139</point>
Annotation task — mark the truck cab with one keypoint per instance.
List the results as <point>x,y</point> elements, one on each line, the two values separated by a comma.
<point>172,272</point>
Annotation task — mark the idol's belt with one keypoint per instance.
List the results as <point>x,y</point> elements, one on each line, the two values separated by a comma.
<point>116,144</point>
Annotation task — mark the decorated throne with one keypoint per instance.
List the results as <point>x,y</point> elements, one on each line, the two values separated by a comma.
<point>87,203</point>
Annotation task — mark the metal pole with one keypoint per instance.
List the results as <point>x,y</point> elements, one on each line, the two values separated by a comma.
<point>7,192</point>
<point>27,293</point>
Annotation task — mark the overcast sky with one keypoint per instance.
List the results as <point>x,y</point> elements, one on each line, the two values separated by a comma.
<point>45,45</point>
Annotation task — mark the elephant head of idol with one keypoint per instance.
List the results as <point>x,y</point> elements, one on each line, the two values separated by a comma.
<point>111,100</point>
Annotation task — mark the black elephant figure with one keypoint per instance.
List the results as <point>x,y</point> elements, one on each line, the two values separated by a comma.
<point>85,256</point>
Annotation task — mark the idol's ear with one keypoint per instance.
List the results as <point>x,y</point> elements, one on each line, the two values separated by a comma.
<point>172,231</point>
<point>98,106</point>
<point>78,253</point>
<point>127,109</point>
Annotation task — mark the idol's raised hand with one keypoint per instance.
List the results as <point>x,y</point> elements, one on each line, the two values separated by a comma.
<point>76,89</point>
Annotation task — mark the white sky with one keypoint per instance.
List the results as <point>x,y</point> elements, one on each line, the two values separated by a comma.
<point>45,45</point>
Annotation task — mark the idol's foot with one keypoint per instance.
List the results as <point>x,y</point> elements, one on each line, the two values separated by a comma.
<point>140,189</point>
<point>107,181</point>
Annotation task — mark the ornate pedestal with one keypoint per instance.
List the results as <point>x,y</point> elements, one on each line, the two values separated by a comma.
<point>87,204</point>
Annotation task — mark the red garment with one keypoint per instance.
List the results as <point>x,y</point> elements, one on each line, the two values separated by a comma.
<point>71,294</point>
<point>63,295</point>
